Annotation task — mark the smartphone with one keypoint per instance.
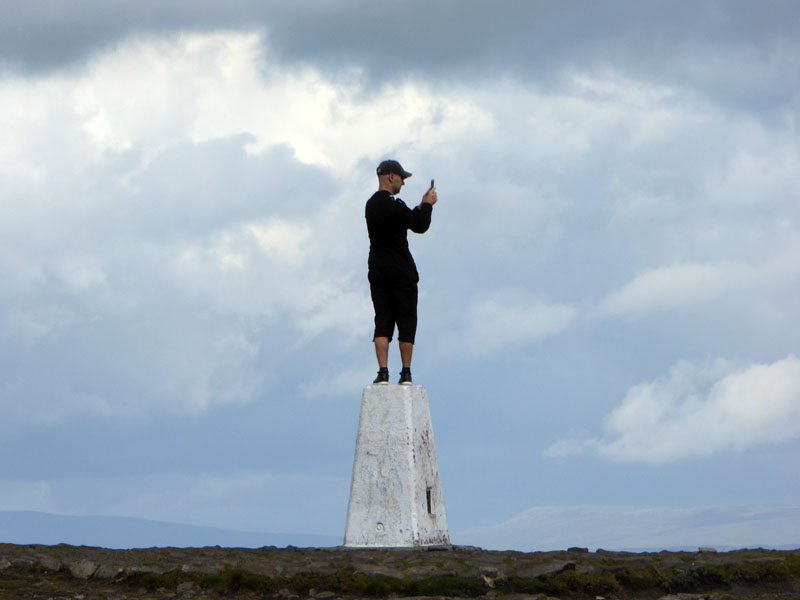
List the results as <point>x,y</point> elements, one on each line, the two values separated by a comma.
<point>431,183</point>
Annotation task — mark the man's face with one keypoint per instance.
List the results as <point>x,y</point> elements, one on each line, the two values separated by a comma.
<point>397,182</point>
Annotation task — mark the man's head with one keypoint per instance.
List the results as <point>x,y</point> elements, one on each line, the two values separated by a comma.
<point>391,176</point>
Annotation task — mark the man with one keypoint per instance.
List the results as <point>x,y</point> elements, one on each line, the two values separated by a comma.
<point>393,274</point>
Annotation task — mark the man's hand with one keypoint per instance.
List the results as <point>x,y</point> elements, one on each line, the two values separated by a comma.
<point>430,196</point>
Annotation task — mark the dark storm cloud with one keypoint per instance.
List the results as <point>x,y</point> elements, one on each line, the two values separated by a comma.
<point>721,48</point>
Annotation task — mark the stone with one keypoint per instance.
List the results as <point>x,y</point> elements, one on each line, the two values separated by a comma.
<point>51,564</point>
<point>82,569</point>
<point>687,596</point>
<point>438,548</point>
<point>490,575</point>
<point>145,569</point>
<point>22,564</point>
<point>422,571</point>
<point>207,569</point>
<point>558,566</point>
<point>325,595</point>
<point>4,564</point>
<point>378,570</point>
<point>187,588</point>
<point>107,572</point>
<point>396,497</point>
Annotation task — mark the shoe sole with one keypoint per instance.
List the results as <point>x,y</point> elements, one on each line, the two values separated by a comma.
<point>380,383</point>
<point>406,383</point>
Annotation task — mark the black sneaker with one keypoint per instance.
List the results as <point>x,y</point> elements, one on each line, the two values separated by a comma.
<point>405,377</point>
<point>382,378</point>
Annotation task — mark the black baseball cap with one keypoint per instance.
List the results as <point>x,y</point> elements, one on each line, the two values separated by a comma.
<point>392,166</point>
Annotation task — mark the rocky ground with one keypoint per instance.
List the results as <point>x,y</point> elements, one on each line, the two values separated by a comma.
<point>69,572</point>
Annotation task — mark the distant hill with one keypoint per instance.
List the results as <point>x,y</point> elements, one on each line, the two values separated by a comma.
<point>638,529</point>
<point>28,527</point>
<point>642,528</point>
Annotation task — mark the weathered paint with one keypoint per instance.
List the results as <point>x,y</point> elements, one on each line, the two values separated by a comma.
<point>395,473</point>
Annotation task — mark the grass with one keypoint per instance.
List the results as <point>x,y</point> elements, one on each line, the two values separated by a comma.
<point>344,581</point>
<point>756,574</point>
<point>620,582</point>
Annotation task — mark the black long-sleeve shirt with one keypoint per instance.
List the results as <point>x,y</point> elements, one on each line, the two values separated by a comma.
<point>388,222</point>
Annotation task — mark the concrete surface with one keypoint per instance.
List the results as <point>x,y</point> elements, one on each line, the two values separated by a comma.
<point>395,496</point>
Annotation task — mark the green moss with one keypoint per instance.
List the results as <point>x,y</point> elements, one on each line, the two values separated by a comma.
<point>236,580</point>
<point>611,579</point>
<point>153,581</point>
<point>650,577</point>
<point>449,586</point>
<point>748,573</point>
<point>12,584</point>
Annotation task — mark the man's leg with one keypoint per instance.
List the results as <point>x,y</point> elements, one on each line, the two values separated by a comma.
<point>406,329</point>
<point>406,351</point>
<point>384,321</point>
<point>382,351</point>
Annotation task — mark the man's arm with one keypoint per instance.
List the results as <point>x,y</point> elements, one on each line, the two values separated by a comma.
<point>430,196</point>
<point>418,219</point>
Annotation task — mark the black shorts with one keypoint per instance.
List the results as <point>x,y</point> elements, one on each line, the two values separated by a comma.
<point>395,304</point>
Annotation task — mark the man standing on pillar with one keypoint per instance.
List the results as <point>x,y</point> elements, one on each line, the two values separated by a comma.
<point>393,274</point>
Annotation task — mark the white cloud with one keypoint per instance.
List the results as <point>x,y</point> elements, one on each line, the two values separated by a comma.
<point>512,319</point>
<point>342,381</point>
<point>762,174</point>
<point>699,410</point>
<point>153,92</point>
<point>678,286</point>
<point>182,240</point>
<point>689,286</point>
<point>26,325</point>
<point>281,268</point>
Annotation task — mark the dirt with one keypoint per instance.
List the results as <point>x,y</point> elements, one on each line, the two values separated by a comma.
<point>68,572</point>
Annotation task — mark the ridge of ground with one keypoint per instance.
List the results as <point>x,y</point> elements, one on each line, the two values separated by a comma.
<point>37,572</point>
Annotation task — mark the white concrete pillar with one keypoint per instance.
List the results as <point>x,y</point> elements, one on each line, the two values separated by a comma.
<point>395,497</point>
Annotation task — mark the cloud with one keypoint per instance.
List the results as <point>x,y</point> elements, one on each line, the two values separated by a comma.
<point>183,251</point>
<point>219,206</point>
<point>342,381</point>
<point>451,40</point>
<point>699,410</point>
<point>204,221</point>
<point>152,93</point>
<point>694,286</point>
<point>765,173</point>
<point>512,319</point>
<point>674,287</point>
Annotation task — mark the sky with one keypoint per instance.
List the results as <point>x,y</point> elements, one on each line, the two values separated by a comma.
<point>608,295</point>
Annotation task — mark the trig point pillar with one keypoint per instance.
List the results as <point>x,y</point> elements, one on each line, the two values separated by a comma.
<point>396,497</point>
